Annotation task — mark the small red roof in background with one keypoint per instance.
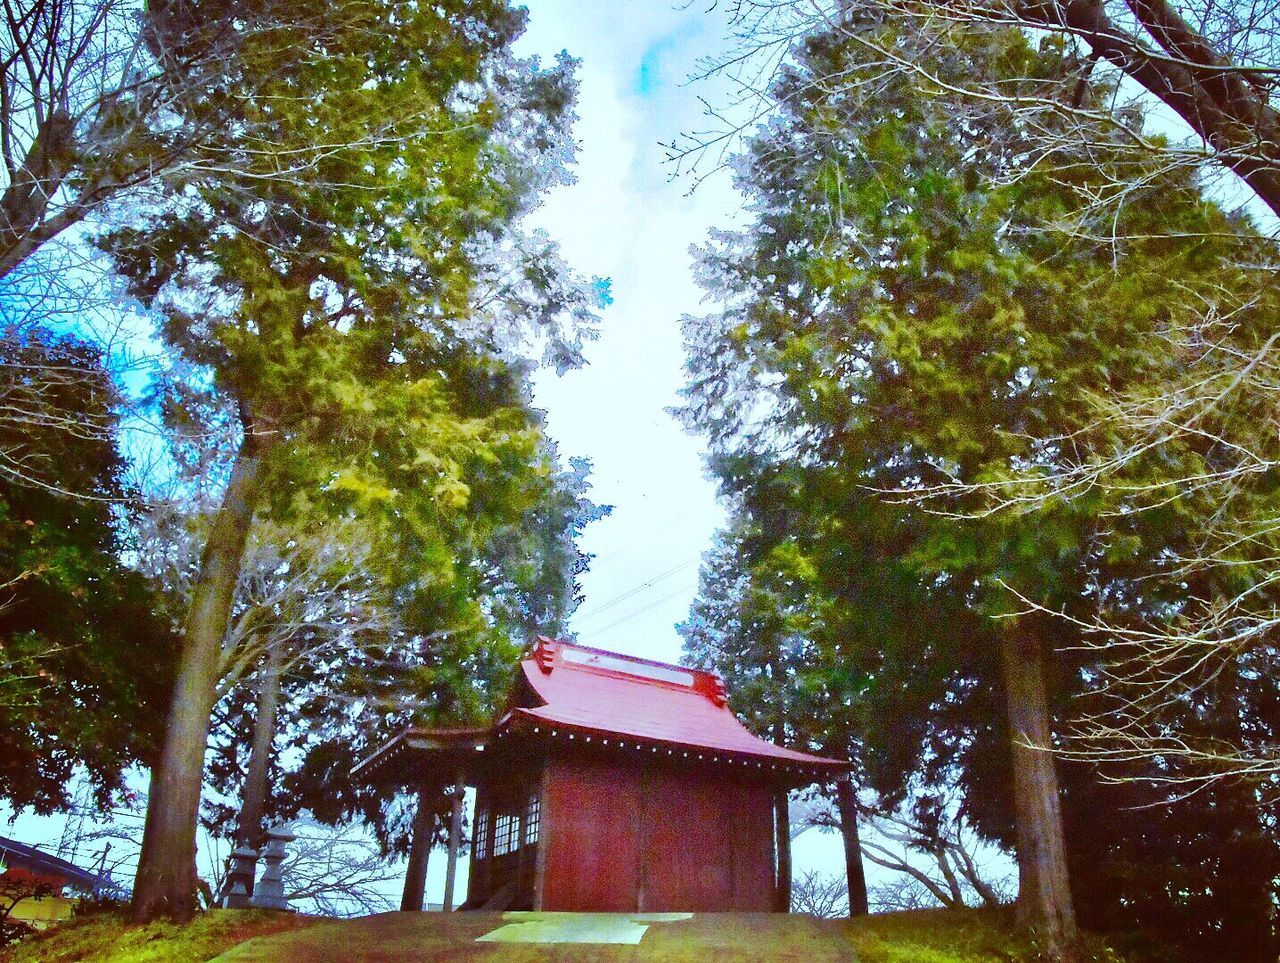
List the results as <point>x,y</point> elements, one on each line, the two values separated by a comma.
<point>609,693</point>
<point>23,861</point>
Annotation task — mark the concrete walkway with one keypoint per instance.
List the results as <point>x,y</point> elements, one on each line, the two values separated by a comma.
<point>567,937</point>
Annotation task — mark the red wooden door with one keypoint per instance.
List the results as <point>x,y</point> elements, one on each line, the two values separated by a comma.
<point>620,838</point>
<point>751,840</point>
<point>707,845</point>
<point>590,825</point>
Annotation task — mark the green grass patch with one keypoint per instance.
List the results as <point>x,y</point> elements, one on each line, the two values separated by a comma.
<point>111,938</point>
<point>938,936</point>
<point>953,936</point>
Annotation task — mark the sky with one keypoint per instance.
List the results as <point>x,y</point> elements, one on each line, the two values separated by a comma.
<point>627,219</point>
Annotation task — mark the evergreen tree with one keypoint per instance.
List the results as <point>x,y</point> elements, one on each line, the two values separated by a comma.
<point>335,691</point>
<point>899,320</point>
<point>84,663</point>
<point>359,316</point>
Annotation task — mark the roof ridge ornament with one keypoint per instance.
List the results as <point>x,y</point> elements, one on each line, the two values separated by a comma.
<point>711,685</point>
<point>544,654</point>
<point>719,694</point>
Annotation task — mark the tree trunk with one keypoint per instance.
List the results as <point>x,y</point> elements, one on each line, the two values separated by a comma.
<point>782,805</point>
<point>847,803</point>
<point>1044,897</point>
<point>166,880</point>
<point>782,832</point>
<point>249,828</point>
<point>424,832</point>
<point>455,839</point>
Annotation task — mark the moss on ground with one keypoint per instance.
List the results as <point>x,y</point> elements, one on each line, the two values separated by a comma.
<point>938,936</point>
<point>111,938</point>
<point>924,936</point>
<point>952,936</point>
<point>436,938</point>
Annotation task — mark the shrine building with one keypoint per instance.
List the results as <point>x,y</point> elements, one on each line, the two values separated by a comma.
<point>610,783</point>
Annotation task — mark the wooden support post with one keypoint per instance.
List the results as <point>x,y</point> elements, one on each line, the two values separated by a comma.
<point>491,834</point>
<point>455,837</point>
<point>424,830</point>
<point>480,884</point>
<point>639,838</point>
<point>782,836</point>
<point>522,828</point>
<point>545,816</point>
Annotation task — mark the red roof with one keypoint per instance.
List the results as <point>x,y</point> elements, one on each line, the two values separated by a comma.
<point>598,692</point>
<point>23,860</point>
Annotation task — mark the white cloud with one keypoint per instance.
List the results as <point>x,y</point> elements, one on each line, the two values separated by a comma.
<point>627,219</point>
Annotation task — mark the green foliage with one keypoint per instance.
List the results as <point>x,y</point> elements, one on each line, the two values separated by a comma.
<point>358,288</point>
<point>84,664</point>
<point>452,661</point>
<point>352,314</point>
<point>905,330</point>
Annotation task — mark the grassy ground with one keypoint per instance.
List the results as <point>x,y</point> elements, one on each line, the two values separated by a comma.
<point>108,938</point>
<point>929,936</point>
<point>949,936</point>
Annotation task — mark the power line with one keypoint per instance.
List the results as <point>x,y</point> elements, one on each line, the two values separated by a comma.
<point>639,612</point>
<point>636,590</point>
<point>647,535</point>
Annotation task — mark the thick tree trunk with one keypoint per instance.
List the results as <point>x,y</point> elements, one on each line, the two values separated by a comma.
<point>249,829</point>
<point>424,831</point>
<point>1044,897</point>
<point>782,833</point>
<point>847,803</point>
<point>166,880</point>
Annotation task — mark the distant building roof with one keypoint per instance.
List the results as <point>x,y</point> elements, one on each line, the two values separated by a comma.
<point>39,863</point>
<point>566,690</point>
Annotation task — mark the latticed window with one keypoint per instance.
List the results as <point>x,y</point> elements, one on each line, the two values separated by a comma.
<point>482,833</point>
<point>534,818</point>
<point>502,834</point>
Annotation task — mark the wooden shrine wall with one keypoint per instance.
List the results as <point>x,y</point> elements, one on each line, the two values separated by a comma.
<point>624,838</point>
